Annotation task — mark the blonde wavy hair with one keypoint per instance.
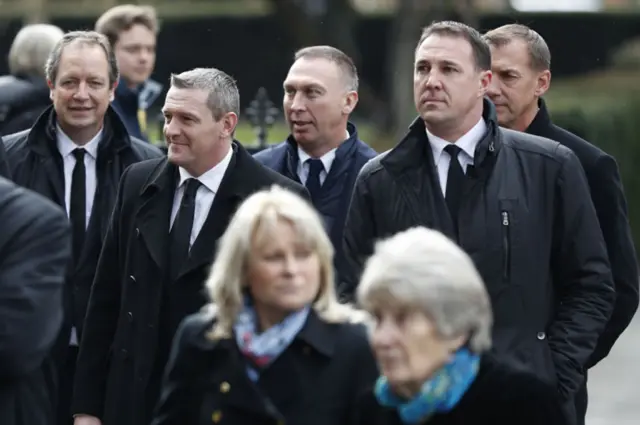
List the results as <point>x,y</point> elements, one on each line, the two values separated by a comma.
<point>260,213</point>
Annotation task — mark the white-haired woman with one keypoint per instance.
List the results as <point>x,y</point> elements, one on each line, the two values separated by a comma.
<point>274,347</point>
<point>431,335</point>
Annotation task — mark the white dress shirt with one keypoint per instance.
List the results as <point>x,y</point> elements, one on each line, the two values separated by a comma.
<point>66,146</point>
<point>327,161</point>
<point>204,196</point>
<point>467,143</point>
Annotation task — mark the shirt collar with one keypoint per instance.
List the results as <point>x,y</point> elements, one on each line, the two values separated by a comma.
<point>467,142</point>
<point>66,145</point>
<point>327,158</point>
<point>212,178</point>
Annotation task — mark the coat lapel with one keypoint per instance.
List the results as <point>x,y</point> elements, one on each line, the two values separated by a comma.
<point>412,165</point>
<point>287,379</point>
<point>239,181</point>
<point>52,169</point>
<point>155,211</point>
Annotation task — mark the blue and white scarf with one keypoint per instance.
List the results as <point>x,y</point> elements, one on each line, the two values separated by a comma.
<point>439,394</point>
<point>262,349</point>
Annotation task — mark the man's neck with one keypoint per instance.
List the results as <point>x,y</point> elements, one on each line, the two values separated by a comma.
<point>321,148</point>
<point>524,121</point>
<point>80,136</point>
<point>196,170</point>
<point>452,133</point>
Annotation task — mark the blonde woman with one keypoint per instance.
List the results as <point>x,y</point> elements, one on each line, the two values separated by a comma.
<point>431,338</point>
<point>274,346</point>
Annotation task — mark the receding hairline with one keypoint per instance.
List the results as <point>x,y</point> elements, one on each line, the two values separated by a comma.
<point>343,63</point>
<point>309,80</point>
<point>537,48</point>
<point>450,36</point>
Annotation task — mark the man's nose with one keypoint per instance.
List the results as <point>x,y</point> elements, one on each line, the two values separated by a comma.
<point>493,90</point>
<point>82,91</point>
<point>297,103</point>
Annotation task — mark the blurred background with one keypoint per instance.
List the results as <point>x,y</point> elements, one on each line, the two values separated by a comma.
<point>595,91</point>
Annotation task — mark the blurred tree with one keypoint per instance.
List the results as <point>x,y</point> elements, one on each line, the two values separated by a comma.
<point>35,12</point>
<point>333,24</point>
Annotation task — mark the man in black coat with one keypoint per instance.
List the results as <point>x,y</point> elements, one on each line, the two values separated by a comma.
<point>74,155</point>
<point>518,204</point>
<point>323,151</point>
<point>161,241</point>
<point>36,245</point>
<point>521,62</point>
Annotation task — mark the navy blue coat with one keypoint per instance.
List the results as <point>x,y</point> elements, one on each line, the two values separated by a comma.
<point>333,201</point>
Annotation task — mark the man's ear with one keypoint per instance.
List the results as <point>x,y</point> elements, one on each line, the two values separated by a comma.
<point>229,123</point>
<point>543,83</point>
<point>485,82</point>
<point>350,102</point>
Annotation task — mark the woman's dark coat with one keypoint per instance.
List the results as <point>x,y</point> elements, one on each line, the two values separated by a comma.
<point>498,396</point>
<point>315,381</point>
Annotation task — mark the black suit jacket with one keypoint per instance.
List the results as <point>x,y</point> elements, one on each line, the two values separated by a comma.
<point>35,247</point>
<point>611,206</point>
<point>116,377</point>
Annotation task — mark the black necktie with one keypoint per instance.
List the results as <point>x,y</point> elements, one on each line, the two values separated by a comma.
<point>455,183</point>
<point>181,230</point>
<point>313,179</point>
<point>78,204</point>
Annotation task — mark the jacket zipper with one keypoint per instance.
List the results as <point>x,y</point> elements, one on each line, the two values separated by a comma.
<point>505,246</point>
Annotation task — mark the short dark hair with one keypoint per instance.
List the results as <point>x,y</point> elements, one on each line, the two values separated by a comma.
<point>337,56</point>
<point>479,47</point>
<point>539,54</point>
<point>89,38</point>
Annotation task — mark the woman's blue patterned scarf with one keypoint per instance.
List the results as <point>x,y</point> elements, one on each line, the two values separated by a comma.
<point>262,349</point>
<point>439,394</point>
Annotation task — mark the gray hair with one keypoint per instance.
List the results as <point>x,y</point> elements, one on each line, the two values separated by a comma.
<point>89,38</point>
<point>259,214</point>
<point>423,269</point>
<point>539,54</point>
<point>223,97</point>
<point>336,56</point>
<point>31,48</point>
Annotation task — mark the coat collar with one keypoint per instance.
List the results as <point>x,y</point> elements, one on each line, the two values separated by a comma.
<point>320,335</point>
<point>343,150</point>
<point>42,137</point>
<point>542,121</point>
<point>411,152</point>
<point>242,177</point>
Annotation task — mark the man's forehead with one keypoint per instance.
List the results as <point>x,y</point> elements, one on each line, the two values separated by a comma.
<point>82,56</point>
<point>514,50</point>
<point>312,71</point>
<point>444,49</point>
<point>178,98</point>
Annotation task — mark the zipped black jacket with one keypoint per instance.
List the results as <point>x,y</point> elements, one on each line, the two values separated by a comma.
<point>527,221</point>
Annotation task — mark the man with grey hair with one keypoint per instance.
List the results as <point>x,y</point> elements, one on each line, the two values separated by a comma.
<point>521,64</point>
<point>24,94</point>
<point>518,204</point>
<point>323,151</point>
<point>74,155</point>
<point>161,241</point>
